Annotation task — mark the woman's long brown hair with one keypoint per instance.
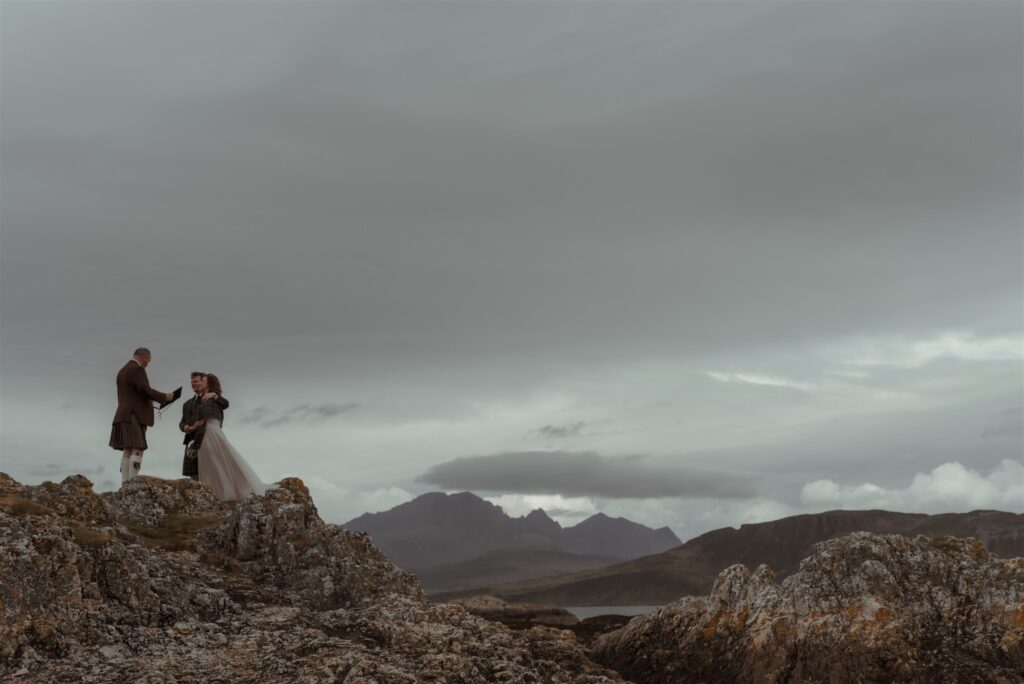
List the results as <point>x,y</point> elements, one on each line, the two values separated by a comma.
<point>213,384</point>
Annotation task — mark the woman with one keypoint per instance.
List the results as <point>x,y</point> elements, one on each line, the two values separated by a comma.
<point>221,467</point>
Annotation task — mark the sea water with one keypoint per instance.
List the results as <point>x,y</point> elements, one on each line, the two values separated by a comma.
<point>584,612</point>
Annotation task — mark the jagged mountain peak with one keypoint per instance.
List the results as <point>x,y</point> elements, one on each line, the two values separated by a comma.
<point>436,529</point>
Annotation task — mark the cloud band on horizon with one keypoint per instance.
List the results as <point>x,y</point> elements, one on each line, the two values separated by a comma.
<point>582,474</point>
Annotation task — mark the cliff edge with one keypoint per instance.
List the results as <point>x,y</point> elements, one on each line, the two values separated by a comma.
<point>161,582</point>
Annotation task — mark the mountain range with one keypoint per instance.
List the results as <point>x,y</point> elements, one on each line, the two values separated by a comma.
<point>453,541</point>
<point>690,569</point>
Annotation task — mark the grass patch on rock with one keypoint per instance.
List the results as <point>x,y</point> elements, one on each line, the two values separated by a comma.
<point>177,532</point>
<point>16,505</point>
<point>88,537</point>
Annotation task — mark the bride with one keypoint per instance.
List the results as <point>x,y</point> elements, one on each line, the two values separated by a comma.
<point>221,467</point>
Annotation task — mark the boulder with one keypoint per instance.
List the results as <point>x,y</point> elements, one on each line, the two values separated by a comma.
<point>863,607</point>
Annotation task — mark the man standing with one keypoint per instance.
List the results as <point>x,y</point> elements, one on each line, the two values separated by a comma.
<point>189,416</point>
<point>134,412</point>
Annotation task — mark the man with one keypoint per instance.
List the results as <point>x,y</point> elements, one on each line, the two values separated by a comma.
<point>189,415</point>
<point>134,412</point>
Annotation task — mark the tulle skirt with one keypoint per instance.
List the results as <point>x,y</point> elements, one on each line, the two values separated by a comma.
<point>223,469</point>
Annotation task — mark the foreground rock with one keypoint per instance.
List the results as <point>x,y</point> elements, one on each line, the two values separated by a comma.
<point>160,582</point>
<point>861,608</point>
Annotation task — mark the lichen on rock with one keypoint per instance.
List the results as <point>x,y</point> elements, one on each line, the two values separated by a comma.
<point>864,607</point>
<point>264,591</point>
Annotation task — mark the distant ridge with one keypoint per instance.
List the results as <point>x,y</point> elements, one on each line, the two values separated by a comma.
<point>438,532</point>
<point>691,569</point>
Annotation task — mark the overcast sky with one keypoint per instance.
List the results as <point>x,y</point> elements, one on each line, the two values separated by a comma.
<point>696,264</point>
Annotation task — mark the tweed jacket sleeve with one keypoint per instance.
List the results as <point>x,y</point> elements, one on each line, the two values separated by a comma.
<point>140,381</point>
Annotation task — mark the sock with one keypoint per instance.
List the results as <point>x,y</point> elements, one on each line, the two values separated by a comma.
<point>125,467</point>
<point>136,465</point>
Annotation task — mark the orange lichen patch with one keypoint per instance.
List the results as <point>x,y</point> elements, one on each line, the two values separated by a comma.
<point>302,543</point>
<point>1016,616</point>
<point>722,620</point>
<point>294,484</point>
<point>783,629</point>
<point>16,505</point>
<point>978,550</point>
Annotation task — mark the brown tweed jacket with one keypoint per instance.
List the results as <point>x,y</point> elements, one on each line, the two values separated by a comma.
<point>134,395</point>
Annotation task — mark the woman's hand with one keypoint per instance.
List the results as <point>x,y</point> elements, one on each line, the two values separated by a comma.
<point>208,396</point>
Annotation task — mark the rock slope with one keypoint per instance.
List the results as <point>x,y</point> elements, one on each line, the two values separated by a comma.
<point>861,608</point>
<point>161,582</point>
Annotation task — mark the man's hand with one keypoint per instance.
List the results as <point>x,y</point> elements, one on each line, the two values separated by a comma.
<point>168,396</point>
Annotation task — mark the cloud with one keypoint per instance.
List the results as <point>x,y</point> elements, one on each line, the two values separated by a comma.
<point>908,352</point>
<point>581,474</point>
<point>565,510</point>
<point>337,504</point>
<point>948,487</point>
<point>63,470</point>
<point>765,380</point>
<point>560,431</point>
<point>1009,423</point>
<point>303,413</point>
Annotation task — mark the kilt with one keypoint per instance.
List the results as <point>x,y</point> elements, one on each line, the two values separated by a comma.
<point>128,435</point>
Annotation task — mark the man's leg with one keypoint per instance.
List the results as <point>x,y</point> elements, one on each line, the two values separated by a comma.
<point>126,465</point>
<point>136,463</point>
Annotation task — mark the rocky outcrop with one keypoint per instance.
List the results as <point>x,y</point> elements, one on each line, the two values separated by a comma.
<point>72,499</point>
<point>160,582</point>
<point>278,540</point>
<point>148,503</point>
<point>864,607</point>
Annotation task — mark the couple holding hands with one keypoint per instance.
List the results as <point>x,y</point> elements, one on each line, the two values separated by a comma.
<point>209,456</point>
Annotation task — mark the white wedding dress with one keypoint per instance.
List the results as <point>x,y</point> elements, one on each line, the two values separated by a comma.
<point>223,469</point>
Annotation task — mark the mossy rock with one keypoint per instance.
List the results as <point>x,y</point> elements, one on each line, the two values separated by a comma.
<point>19,506</point>
<point>177,532</point>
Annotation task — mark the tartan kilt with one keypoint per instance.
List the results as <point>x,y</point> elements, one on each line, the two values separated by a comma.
<point>128,435</point>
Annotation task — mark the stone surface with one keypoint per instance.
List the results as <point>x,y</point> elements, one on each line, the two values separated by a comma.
<point>863,607</point>
<point>148,502</point>
<point>265,593</point>
<point>160,582</point>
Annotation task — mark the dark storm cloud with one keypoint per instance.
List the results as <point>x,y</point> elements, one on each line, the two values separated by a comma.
<point>361,191</point>
<point>303,413</point>
<point>1008,423</point>
<point>582,474</point>
<point>561,431</point>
